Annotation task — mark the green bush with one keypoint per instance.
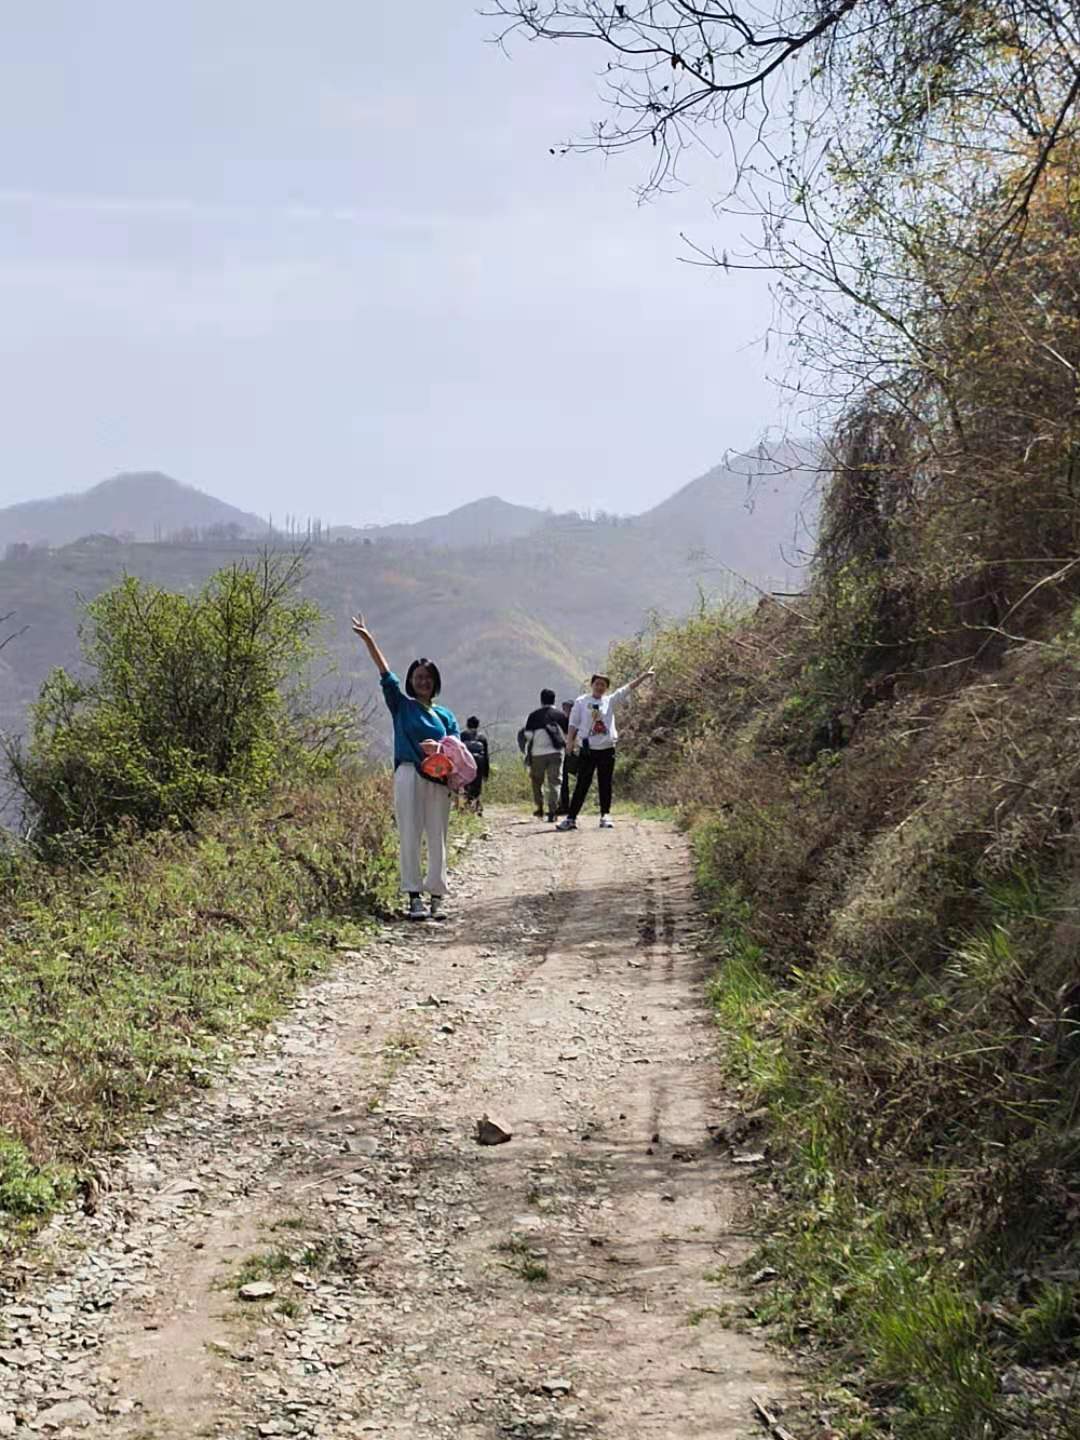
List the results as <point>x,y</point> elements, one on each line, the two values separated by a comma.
<point>188,706</point>
<point>25,1190</point>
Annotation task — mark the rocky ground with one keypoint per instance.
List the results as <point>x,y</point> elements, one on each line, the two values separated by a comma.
<point>319,1246</point>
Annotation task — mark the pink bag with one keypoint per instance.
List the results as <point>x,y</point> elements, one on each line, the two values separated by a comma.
<point>462,764</point>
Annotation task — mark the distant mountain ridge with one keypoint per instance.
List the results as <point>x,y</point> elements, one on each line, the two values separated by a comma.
<point>478,522</point>
<point>139,505</point>
<point>508,598</point>
<point>754,512</point>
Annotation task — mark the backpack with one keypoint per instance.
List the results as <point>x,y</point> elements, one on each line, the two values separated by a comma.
<point>477,748</point>
<point>555,735</point>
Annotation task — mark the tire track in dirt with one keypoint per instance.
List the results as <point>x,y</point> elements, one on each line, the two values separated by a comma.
<point>560,1285</point>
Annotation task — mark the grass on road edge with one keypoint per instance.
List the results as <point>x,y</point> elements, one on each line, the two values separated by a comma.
<point>125,984</point>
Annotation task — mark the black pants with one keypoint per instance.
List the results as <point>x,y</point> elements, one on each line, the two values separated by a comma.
<point>603,763</point>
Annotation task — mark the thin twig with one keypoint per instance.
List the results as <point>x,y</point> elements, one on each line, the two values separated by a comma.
<point>769,1420</point>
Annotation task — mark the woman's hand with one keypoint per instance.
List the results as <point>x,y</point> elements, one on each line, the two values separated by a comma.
<point>359,625</point>
<point>429,747</point>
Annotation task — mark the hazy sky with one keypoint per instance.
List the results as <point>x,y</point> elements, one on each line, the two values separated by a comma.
<point>318,258</point>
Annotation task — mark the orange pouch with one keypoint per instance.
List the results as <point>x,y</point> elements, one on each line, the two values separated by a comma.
<point>436,767</point>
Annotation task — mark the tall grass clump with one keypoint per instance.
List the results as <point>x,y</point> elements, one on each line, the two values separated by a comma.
<point>123,981</point>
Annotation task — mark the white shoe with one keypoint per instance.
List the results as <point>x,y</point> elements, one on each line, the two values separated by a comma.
<point>566,824</point>
<point>606,822</point>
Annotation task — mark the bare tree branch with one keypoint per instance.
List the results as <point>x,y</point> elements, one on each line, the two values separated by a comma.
<point>15,634</point>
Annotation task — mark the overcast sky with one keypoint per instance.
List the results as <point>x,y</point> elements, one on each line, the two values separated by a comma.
<point>318,258</point>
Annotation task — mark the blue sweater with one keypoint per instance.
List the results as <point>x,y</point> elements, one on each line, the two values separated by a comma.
<point>414,722</point>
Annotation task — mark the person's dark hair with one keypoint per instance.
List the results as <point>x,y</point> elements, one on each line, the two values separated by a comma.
<point>428,664</point>
<point>473,722</point>
<point>547,697</point>
<point>568,704</point>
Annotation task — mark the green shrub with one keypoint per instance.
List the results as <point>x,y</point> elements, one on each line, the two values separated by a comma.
<point>25,1190</point>
<point>187,707</point>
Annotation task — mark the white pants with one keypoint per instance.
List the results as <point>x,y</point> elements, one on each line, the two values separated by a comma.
<point>421,808</point>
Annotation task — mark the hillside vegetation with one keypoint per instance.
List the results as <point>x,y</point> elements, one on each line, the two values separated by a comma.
<point>883,783</point>
<point>892,881</point>
<point>200,838</point>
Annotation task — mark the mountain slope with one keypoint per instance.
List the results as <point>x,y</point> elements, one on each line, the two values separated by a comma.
<point>755,513</point>
<point>140,505</point>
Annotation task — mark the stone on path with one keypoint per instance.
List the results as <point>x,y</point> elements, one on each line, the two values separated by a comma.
<point>69,1412</point>
<point>488,1133</point>
<point>258,1290</point>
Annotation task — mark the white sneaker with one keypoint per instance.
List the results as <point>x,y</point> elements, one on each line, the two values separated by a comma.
<point>606,822</point>
<point>567,824</point>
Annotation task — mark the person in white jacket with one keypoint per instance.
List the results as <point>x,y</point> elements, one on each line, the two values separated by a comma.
<point>592,726</point>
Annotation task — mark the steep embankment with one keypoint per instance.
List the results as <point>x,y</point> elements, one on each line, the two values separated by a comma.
<point>891,870</point>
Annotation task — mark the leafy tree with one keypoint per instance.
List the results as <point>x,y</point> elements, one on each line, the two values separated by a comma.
<point>861,135</point>
<point>192,702</point>
<point>912,168</point>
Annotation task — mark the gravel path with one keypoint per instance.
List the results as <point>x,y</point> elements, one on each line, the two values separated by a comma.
<point>562,1284</point>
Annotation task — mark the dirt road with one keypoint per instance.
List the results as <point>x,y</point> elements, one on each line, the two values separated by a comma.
<point>561,1284</point>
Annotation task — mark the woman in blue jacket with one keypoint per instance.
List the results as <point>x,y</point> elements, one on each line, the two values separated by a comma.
<point>421,806</point>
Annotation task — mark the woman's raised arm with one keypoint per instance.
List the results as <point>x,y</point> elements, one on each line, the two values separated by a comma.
<point>372,644</point>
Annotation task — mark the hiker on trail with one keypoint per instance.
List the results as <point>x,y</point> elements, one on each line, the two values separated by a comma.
<point>569,765</point>
<point>477,746</point>
<point>545,741</point>
<point>592,726</point>
<point>421,805</point>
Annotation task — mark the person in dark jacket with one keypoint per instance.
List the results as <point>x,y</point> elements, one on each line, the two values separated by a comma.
<point>477,746</point>
<point>545,741</point>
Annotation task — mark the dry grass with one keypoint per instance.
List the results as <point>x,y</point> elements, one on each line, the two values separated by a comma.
<point>123,983</point>
<point>893,887</point>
